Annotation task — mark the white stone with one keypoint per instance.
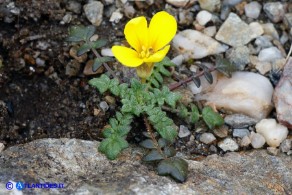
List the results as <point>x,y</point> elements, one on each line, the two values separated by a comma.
<point>262,67</point>
<point>273,132</point>
<point>116,16</point>
<point>269,29</point>
<point>203,17</point>
<point>210,31</point>
<point>1,147</point>
<point>275,11</point>
<point>196,45</point>
<point>228,144</point>
<point>180,3</point>
<point>257,140</point>
<point>183,131</point>
<point>245,141</point>
<point>107,52</point>
<point>270,54</point>
<point>210,5</point>
<point>253,9</point>
<point>178,60</point>
<point>207,138</point>
<point>245,93</point>
<point>234,31</point>
<point>257,29</point>
<point>94,12</point>
<point>263,42</point>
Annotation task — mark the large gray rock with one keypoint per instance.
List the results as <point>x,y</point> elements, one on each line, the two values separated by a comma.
<point>83,170</point>
<point>283,96</point>
<point>235,32</point>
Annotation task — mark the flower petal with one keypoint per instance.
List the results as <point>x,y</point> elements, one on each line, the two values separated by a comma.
<point>136,33</point>
<point>158,56</point>
<point>128,57</point>
<point>162,29</point>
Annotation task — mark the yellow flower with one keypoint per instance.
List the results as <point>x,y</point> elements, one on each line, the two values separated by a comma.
<point>149,44</point>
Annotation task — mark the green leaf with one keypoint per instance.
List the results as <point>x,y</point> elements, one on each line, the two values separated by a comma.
<point>175,167</point>
<point>102,83</point>
<point>153,155</point>
<point>158,77</point>
<point>99,61</point>
<point>112,146</point>
<point>99,43</point>
<point>208,76</point>
<point>194,115</point>
<point>154,82</point>
<point>80,33</point>
<point>148,143</point>
<point>169,151</point>
<point>172,98</point>
<point>83,49</point>
<point>197,81</point>
<point>183,111</point>
<point>162,142</point>
<point>211,118</point>
<point>108,132</point>
<point>167,132</point>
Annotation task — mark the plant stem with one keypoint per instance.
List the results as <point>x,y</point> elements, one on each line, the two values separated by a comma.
<point>189,79</point>
<point>104,64</point>
<point>166,108</point>
<point>149,130</point>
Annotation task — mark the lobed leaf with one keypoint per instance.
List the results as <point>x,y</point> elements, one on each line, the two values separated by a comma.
<point>112,146</point>
<point>148,143</point>
<point>153,155</point>
<point>175,167</point>
<point>211,118</point>
<point>80,33</point>
<point>99,61</point>
<point>102,83</point>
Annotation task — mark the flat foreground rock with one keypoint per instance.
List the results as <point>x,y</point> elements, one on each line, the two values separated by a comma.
<point>83,170</point>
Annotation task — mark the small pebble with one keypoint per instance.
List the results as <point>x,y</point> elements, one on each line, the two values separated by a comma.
<point>239,121</point>
<point>221,132</point>
<point>210,5</point>
<point>228,144</point>
<point>203,17</point>
<point>263,42</point>
<point>1,147</point>
<point>183,131</point>
<point>210,31</point>
<point>270,54</point>
<point>178,60</point>
<point>275,11</point>
<point>240,133</point>
<point>245,141</point>
<point>40,62</point>
<point>207,138</point>
<point>286,145</point>
<point>257,140</point>
<point>116,16</point>
<point>74,6</point>
<point>104,106</point>
<point>253,9</point>
<point>273,132</point>
<point>107,52</point>
<point>273,151</point>
<point>213,149</point>
<point>94,12</point>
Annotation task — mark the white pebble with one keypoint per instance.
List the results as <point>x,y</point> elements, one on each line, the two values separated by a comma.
<point>1,147</point>
<point>116,16</point>
<point>270,54</point>
<point>207,138</point>
<point>183,131</point>
<point>196,45</point>
<point>245,92</point>
<point>257,29</point>
<point>104,106</point>
<point>245,141</point>
<point>253,9</point>
<point>107,52</point>
<point>210,31</point>
<point>257,140</point>
<point>228,144</point>
<point>203,17</point>
<point>178,60</point>
<point>273,133</point>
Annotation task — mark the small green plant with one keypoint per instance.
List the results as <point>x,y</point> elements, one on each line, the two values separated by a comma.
<point>149,98</point>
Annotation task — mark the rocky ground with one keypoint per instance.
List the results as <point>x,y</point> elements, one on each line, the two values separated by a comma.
<point>44,93</point>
